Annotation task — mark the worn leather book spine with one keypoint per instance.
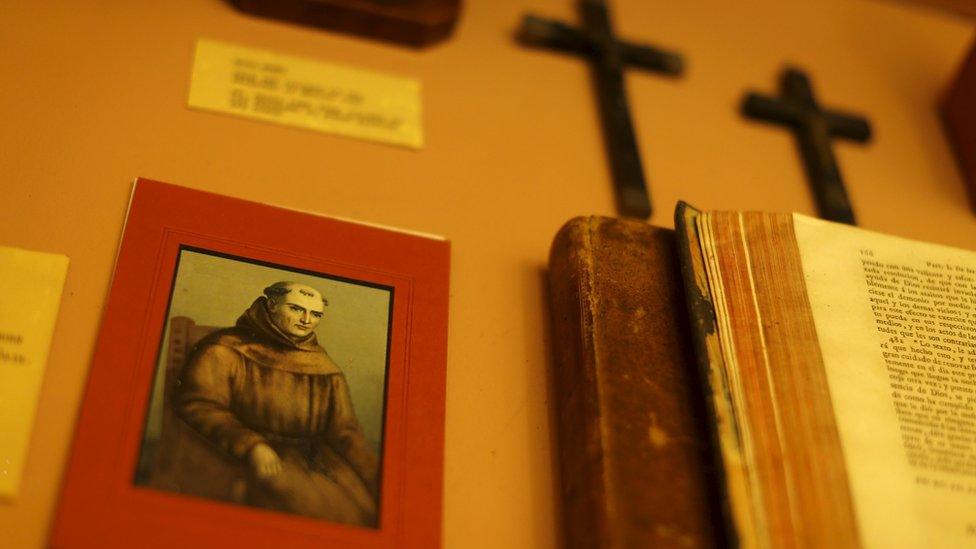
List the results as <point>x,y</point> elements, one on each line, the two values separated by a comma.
<point>634,457</point>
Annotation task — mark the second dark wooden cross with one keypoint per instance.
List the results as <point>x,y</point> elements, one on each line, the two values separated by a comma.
<point>814,127</point>
<point>609,57</point>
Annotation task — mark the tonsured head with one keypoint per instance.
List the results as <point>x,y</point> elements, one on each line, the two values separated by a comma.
<point>296,309</point>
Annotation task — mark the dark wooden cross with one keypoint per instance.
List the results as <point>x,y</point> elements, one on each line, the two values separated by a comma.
<point>609,57</point>
<point>814,127</point>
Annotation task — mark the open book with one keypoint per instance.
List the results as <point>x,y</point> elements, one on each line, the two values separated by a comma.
<point>841,368</point>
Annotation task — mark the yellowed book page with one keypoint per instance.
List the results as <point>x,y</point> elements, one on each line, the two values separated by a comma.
<point>30,295</point>
<point>294,91</point>
<point>896,321</point>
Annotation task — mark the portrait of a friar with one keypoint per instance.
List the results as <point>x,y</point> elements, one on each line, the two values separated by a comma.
<point>267,395</point>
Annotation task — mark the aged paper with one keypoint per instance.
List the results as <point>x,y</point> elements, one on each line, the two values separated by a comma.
<point>896,321</point>
<point>292,91</point>
<point>30,295</point>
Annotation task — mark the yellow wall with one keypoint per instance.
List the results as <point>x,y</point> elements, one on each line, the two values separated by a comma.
<point>94,95</point>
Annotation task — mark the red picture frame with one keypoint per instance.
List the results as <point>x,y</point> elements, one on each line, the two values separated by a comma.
<point>100,504</point>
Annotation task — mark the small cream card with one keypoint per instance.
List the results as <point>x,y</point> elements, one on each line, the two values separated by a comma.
<point>30,295</point>
<point>292,91</point>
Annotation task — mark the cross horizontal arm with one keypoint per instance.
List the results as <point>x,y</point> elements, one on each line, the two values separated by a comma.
<point>767,108</point>
<point>541,32</point>
<point>849,126</point>
<point>537,31</point>
<point>652,59</point>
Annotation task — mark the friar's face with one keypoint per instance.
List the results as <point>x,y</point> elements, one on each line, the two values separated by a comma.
<point>298,312</point>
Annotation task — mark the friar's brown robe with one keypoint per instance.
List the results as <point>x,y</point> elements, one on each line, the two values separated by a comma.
<point>250,384</point>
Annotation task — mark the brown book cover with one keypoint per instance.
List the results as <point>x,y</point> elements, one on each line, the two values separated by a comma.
<point>635,463</point>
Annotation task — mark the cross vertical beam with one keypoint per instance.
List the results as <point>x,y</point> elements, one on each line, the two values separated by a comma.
<point>609,57</point>
<point>814,128</point>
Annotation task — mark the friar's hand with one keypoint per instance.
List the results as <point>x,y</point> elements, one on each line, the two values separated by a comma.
<point>264,461</point>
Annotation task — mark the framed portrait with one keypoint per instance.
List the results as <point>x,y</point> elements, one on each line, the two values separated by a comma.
<point>262,377</point>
